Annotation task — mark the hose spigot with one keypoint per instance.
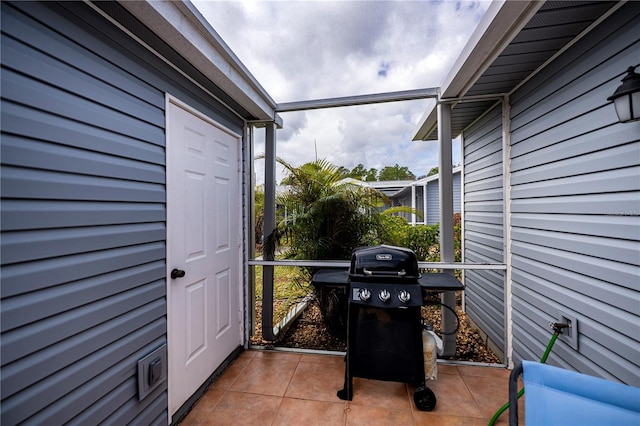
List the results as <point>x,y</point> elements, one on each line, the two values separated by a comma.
<point>558,327</point>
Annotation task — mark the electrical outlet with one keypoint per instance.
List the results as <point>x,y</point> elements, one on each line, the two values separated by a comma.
<point>570,334</point>
<point>152,371</point>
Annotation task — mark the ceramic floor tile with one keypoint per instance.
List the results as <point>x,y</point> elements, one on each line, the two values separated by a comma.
<point>265,375</point>
<point>316,381</point>
<point>453,398</point>
<point>309,413</point>
<point>448,369</point>
<point>503,420</point>
<point>279,356</point>
<point>251,392</point>
<point>323,359</point>
<point>231,373</point>
<point>236,408</point>
<point>489,393</point>
<point>248,354</point>
<point>471,370</point>
<point>375,393</point>
<point>429,419</point>
<point>370,415</point>
<point>205,405</point>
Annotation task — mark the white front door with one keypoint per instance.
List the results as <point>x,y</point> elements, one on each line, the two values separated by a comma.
<point>203,240</point>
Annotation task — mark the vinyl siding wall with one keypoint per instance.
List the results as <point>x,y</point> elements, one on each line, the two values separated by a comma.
<point>433,198</point>
<point>420,202</point>
<point>575,207</point>
<point>483,224</point>
<point>83,293</point>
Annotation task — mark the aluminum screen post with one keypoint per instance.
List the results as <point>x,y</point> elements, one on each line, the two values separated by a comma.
<point>445,183</point>
<point>268,227</point>
<point>250,321</point>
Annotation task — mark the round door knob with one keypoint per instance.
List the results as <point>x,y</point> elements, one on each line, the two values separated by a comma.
<point>404,296</point>
<point>177,273</point>
<point>364,294</point>
<point>384,295</point>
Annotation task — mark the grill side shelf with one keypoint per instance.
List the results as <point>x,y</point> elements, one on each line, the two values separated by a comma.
<point>439,281</point>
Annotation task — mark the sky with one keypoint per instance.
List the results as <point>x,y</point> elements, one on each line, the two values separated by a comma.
<point>305,50</point>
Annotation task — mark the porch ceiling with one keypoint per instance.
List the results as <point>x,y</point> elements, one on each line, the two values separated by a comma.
<point>515,41</point>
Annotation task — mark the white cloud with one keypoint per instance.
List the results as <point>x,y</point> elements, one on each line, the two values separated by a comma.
<point>300,50</point>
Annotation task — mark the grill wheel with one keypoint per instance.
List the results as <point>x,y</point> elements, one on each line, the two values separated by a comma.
<point>424,398</point>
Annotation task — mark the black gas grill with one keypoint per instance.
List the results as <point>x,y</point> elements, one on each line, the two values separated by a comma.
<point>384,330</point>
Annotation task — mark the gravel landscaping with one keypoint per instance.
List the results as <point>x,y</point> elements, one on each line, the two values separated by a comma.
<point>309,332</point>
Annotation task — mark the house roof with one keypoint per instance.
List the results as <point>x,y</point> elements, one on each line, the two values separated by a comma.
<point>513,42</point>
<point>424,181</point>
<point>387,187</point>
<point>181,26</point>
<point>390,187</point>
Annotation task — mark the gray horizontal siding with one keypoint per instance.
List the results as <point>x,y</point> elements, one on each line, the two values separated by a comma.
<point>28,308</point>
<point>457,192</point>
<point>27,371</point>
<point>483,223</point>
<point>24,153</point>
<point>39,125</point>
<point>433,203</point>
<point>45,184</point>
<point>433,198</point>
<point>83,243</point>
<point>34,94</point>
<point>59,213</point>
<point>612,226</point>
<point>534,310</point>
<point>41,244</point>
<point>419,203</point>
<point>37,336</point>
<point>26,277</point>
<point>74,84</point>
<point>575,209</point>
<point>578,249</point>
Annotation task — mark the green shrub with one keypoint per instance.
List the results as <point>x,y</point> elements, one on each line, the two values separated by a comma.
<point>421,239</point>
<point>395,230</point>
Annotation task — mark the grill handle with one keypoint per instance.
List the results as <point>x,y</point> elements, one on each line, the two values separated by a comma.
<point>401,273</point>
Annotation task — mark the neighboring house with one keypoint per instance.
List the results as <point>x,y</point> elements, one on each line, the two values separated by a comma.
<point>412,195</point>
<point>551,181</point>
<point>123,158</point>
<point>125,163</point>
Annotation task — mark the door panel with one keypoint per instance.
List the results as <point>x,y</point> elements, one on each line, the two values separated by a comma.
<point>196,321</point>
<point>223,311</point>
<point>203,211</point>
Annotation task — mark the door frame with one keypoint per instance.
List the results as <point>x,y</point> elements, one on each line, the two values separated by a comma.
<point>172,100</point>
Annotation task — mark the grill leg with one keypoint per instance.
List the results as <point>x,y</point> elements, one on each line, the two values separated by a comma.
<point>346,393</point>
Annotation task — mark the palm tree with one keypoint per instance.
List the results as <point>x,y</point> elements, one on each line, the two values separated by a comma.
<point>326,218</point>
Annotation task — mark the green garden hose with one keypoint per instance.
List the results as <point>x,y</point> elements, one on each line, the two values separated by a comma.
<point>557,330</point>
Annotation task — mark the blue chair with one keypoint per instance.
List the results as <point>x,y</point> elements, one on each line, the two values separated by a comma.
<point>554,396</point>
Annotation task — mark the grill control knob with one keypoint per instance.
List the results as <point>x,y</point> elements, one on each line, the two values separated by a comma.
<point>364,294</point>
<point>384,295</point>
<point>404,296</point>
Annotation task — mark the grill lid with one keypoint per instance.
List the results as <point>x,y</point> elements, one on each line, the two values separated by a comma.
<point>384,262</point>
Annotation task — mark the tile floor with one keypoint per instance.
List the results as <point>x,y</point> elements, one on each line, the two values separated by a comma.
<point>283,388</point>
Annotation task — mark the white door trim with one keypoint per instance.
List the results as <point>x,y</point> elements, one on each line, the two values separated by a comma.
<point>169,99</point>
